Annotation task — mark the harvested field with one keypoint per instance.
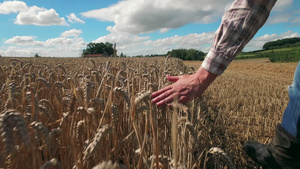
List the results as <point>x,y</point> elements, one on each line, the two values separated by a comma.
<point>80,113</point>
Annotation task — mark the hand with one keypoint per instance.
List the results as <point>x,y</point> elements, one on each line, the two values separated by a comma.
<point>186,87</point>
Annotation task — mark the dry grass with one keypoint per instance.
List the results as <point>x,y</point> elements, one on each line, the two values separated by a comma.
<point>84,113</point>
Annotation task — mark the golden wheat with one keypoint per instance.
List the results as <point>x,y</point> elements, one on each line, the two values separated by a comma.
<point>82,113</point>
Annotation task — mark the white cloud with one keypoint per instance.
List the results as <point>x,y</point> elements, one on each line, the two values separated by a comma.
<point>39,16</point>
<point>18,51</point>
<point>72,18</point>
<point>72,32</point>
<point>279,18</point>
<point>257,43</point>
<point>136,16</point>
<point>24,41</point>
<point>283,12</point>
<point>193,40</point>
<point>135,45</point>
<point>281,5</point>
<point>32,15</point>
<point>8,7</point>
<point>69,44</point>
<point>296,20</point>
<point>21,40</point>
<point>125,42</point>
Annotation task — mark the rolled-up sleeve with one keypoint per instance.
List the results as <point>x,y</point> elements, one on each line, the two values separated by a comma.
<point>238,26</point>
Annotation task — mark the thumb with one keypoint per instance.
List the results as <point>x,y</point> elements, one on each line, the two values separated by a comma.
<point>173,78</point>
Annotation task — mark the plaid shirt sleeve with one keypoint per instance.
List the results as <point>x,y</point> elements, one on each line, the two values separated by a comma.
<point>239,24</point>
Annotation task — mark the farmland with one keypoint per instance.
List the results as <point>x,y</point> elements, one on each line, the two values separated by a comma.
<point>246,103</point>
<point>282,54</point>
<point>80,113</point>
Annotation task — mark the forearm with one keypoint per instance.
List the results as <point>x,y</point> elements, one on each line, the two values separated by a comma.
<point>205,77</point>
<point>239,24</point>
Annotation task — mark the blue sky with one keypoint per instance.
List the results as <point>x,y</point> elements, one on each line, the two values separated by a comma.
<point>63,28</point>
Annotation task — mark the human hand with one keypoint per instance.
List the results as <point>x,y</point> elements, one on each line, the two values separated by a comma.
<point>186,87</point>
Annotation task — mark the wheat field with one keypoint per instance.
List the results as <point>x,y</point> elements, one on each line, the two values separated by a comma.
<point>96,113</point>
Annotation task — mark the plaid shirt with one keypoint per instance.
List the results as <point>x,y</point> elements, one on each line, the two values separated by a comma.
<point>239,24</point>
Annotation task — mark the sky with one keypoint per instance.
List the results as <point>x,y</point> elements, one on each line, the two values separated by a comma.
<point>63,28</point>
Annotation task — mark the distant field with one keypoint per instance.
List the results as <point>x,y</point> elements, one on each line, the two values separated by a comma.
<point>196,64</point>
<point>295,50</point>
<point>81,112</point>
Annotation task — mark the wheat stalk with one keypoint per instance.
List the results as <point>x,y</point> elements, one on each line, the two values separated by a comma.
<point>44,81</point>
<point>123,93</point>
<point>10,119</point>
<point>41,130</point>
<point>50,164</point>
<point>108,165</point>
<point>142,97</point>
<point>62,68</point>
<point>71,112</point>
<point>219,152</point>
<point>91,148</point>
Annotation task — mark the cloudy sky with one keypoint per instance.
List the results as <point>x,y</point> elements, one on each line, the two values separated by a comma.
<point>62,28</point>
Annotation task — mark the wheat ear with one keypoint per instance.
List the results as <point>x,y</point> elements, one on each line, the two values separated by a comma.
<point>50,164</point>
<point>107,165</point>
<point>223,155</point>
<point>9,120</point>
<point>142,97</point>
<point>90,150</point>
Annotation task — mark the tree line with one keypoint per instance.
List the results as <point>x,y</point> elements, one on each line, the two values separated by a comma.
<point>98,48</point>
<point>193,54</point>
<point>285,56</point>
<point>280,43</point>
<point>187,54</point>
<point>101,48</point>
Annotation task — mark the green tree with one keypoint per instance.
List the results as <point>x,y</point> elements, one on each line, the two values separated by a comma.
<point>281,43</point>
<point>122,55</point>
<point>98,48</point>
<point>184,54</point>
<point>193,54</point>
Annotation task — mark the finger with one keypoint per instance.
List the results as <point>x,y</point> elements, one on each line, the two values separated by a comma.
<point>162,96</point>
<point>159,92</point>
<point>173,78</point>
<point>184,99</point>
<point>167,100</point>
